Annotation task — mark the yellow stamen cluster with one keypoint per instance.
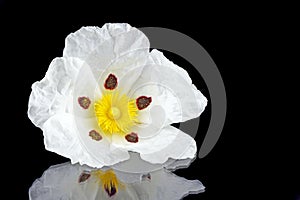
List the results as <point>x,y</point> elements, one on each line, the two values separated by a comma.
<point>116,113</point>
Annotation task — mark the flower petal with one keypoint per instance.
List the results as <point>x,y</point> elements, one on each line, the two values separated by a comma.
<point>102,152</point>
<point>170,87</point>
<point>60,137</point>
<point>66,81</point>
<point>169,142</point>
<point>54,107</point>
<point>117,49</point>
<point>61,182</point>
<point>85,85</point>
<point>174,164</point>
<point>182,147</point>
<point>53,94</point>
<point>100,47</point>
<point>135,165</point>
<point>166,185</point>
<point>127,68</point>
<point>86,39</point>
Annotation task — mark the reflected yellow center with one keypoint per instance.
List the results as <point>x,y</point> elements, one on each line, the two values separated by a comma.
<point>115,113</point>
<point>108,180</point>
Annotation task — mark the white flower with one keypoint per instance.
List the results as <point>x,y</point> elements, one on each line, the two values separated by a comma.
<point>66,181</point>
<point>109,95</point>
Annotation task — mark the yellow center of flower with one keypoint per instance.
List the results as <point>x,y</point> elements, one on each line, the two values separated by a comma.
<point>115,113</point>
<point>108,181</point>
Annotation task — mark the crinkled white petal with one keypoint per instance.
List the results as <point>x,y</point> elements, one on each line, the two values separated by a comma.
<point>169,142</point>
<point>156,121</point>
<point>136,165</point>
<point>85,40</point>
<point>127,68</point>
<point>51,107</point>
<point>115,48</point>
<point>85,85</point>
<point>101,47</point>
<point>173,164</point>
<point>53,94</point>
<point>60,137</point>
<point>170,87</point>
<point>182,147</point>
<point>101,152</point>
<point>166,185</point>
<point>61,182</point>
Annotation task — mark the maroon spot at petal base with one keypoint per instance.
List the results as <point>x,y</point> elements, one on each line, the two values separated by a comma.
<point>111,82</point>
<point>143,102</point>
<point>132,137</point>
<point>146,177</point>
<point>95,135</point>
<point>83,177</point>
<point>84,102</point>
<point>110,190</point>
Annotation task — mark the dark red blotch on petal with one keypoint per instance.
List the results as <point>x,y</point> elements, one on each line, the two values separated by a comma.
<point>84,176</point>
<point>146,177</point>
<point>143,102</point>
<point>111,82</point>
<point>111,190</point>
<point>84,102</point>
<point>132,137</point>
<point>95,135</point>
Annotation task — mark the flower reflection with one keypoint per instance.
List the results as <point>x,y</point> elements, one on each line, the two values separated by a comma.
<point>66,181</point>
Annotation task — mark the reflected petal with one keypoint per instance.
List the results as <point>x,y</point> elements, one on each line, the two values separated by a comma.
<point>63,182</point>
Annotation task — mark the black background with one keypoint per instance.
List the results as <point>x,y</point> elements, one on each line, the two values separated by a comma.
<point>254,159</point>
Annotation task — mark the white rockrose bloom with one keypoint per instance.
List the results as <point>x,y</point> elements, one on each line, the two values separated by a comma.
<point>109,95</point>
